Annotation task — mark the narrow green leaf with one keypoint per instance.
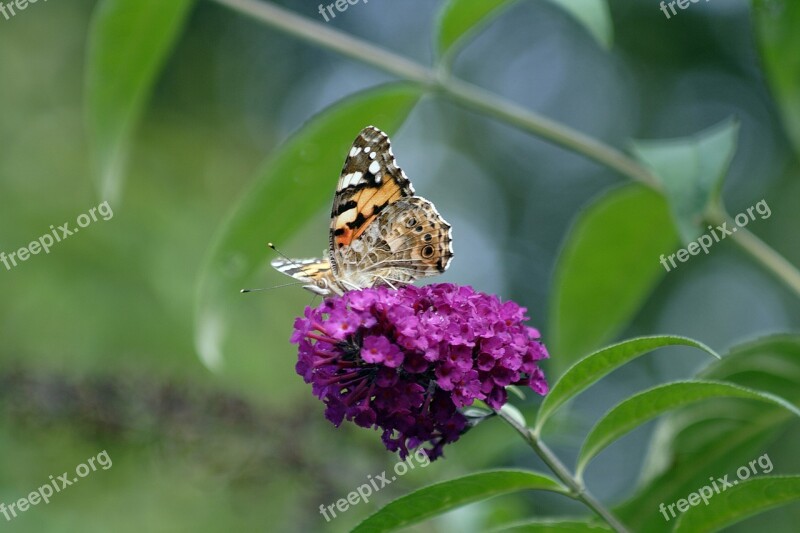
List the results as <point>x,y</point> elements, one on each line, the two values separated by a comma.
<point>691,170</point>
<point>645,406</point>
<point>715,437</point>
<point>595,17</point>
<point>552,526</point>
<point>516,391</point>
<point>603,243</point>
<point>776,24</point>
<point>296,182</point>
<point>774,359</point>
<point>746,499</point>
<point>599,364</point>
<point>439,498</point>
<point>129,43</point>
<point>460,19</point>
<point>513,413</point>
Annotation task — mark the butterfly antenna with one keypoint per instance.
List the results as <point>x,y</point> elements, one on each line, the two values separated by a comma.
<point>275,249</point>
<point>245,291</point>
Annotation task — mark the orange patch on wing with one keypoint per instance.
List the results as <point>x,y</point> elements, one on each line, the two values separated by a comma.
<point>345,238</point>
<point>388,193</point>
<point>367,201</point>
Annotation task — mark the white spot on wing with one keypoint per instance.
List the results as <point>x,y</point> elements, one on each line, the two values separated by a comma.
<point>354,178</point>
<point>353,151</point>
<point>375,167</point>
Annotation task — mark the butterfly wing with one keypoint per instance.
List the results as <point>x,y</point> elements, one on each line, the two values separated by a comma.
<point>309,271</point>
<point>370,182</point>
<point>380,232</point>
<point>409,240</point>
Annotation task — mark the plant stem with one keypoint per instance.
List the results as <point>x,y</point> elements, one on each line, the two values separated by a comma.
<point>577,487</point>
<point>771,260</point>
<point>481,100</point>
<point>474,97</point>
<point>332,39</point>
<point>467,94</point>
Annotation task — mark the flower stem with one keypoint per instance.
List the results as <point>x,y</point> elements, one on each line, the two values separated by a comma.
<point>575,485</point>
<point>473,97</point>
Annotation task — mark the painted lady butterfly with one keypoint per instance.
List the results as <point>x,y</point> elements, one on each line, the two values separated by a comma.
<point>380,234</point>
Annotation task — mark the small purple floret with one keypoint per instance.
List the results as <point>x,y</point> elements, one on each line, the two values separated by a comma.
<point>407,360</point>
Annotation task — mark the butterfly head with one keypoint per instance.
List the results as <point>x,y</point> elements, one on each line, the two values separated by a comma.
<point>320,286</point>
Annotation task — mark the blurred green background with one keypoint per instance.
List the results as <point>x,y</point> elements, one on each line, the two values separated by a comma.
<point>98,349</point>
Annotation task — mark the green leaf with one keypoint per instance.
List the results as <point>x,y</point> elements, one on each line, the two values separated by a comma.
<point>459,19</point>
<point>644,406</point>
<point>475,415</point>
<point>773,362</point>
<point>691,170</point>
<point>516,391</point>
<point>776,24</point>
<point>129,42</point>
<point>599,364</point>
<point>595,17</point>
<point>714,437</point>
<point>553,526</point>
<point>515,414</point>
<point>746,499</point>
<point>296,182</point>
<point>439,498</point>
<point>592,299</point>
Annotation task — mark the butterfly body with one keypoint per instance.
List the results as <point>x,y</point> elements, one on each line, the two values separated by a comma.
<point>380,232</point>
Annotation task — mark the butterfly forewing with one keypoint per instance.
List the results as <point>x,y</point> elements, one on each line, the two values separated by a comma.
<point>370,181</point>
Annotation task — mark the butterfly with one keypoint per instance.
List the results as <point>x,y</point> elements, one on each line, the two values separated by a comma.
<point>380,232</point>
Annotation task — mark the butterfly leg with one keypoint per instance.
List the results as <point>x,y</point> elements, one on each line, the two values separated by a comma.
<point>387,282</point>
<point>350,286</point>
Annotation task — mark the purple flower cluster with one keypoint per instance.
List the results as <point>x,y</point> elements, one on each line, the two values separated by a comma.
<point>406,360</point>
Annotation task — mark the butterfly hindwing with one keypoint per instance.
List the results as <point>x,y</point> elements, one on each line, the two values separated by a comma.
<point>409,240</point>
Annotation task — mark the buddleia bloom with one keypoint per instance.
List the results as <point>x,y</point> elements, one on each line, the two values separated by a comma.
<point>406,361</point>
